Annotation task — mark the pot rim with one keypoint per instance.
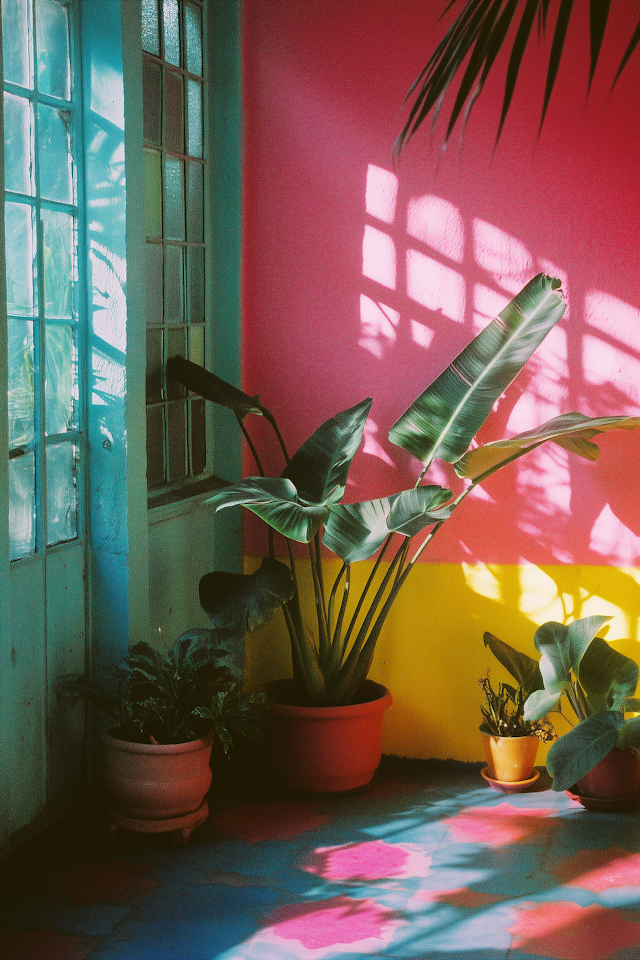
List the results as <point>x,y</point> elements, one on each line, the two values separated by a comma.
<point>381,700</point>
<point>189,746</point>
<point>495,736</point>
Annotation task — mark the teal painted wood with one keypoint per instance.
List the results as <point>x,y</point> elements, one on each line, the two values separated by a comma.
<point>225,150</point>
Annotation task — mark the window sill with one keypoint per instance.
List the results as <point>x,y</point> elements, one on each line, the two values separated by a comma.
<point>164,505</point>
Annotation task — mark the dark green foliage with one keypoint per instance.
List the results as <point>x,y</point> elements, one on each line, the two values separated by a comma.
<point>174,698</point>
<point>503,715</point>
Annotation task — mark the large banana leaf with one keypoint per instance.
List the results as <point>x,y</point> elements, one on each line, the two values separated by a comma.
<point>573,431</point>
<point>238,603</point>
<point>319,468</point>
<point>444,419</point>
<point>212,388</point>
<point>275,500</point>
<point>355,531</point>
<point>523,668</point>
<point>574,754</point>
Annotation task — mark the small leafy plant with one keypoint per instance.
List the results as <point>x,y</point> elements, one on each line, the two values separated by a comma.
<point>503,714</point>
<point>173,698</point>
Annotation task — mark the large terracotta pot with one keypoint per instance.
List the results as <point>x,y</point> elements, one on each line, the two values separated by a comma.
<point>157,781</point>
<point>324,749</point>
<point>510,759</point>
<point>616,776</point>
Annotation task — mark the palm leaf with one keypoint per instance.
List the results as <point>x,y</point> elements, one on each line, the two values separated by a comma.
<point>275,500</point>
<point>573,431</point>
<point>444,419</point>
<point>207,385</point>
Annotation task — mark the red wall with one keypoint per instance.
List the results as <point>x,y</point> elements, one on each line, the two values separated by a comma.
<point>364,279</point>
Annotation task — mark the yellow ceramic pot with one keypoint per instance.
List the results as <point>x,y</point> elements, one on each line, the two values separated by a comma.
<point>510,759</point>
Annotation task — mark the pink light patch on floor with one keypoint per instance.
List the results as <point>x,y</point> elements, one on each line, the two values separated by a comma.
<point>566,931</point>
<point>599,870</point>
<point>363,926</point>
<point>373,860</point>
<point>44,944</point>
<point>501,825</point>
<point>459,897</point>
<point>257,822</point>
<point>96,882</point>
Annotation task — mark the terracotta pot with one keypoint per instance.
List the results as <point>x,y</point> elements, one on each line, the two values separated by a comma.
<point>510,759</point>
<point>149,781</point>
<point>615,777</point>
<point>324,749</point>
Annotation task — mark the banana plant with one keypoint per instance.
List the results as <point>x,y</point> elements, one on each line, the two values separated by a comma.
<point>599,684</point>
<point>305,502</point>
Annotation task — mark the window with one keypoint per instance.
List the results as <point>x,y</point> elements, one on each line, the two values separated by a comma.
<point>174,164</point>
<point>41,236</point>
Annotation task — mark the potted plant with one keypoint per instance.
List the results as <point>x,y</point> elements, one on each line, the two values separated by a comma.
<point>305,504</point>
<point>597,759</point>
<point>163,713</point>
<point>510,742</point>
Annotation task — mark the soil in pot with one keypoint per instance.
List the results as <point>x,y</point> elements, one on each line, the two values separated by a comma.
<point>324,749</point>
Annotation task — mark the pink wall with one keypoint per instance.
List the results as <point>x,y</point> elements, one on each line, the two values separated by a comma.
<point>361,279</point>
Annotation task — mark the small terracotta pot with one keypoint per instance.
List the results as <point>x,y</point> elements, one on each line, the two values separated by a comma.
<point>510,759</point>
<point>149,781</point>
<point>616,776</point>
<point>324,749</point>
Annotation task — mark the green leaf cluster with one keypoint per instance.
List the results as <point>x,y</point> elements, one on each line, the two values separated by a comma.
<point>304,503</point>
<point>597,682</point>
<point>174,698</point>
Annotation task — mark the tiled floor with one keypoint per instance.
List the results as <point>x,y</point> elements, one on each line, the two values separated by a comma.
<point>427,862</point>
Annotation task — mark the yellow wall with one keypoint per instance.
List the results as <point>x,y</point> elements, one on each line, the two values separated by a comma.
<point>431,653</point>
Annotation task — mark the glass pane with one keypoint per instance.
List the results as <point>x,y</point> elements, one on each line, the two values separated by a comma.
<point>52,49</point>
<point>61,379</point>
<point>153,192</point>
<point>62,492</point>
<point>16,19</point>
<point>193,23</point>
<point>58,236</point>
<point>173,199</point>
<point>17,144</point>
<point>198,437</point>
<point>22,506</point>
<point>150,28</point>
<point>176,347</point>
<point>177,440</point>
<point>21,386</point>
<point>196,285</point>
<point>194,107</point>
<point>54,154</point>
<point>173,285</point>
<point>153,311</point>
<point>152,101</point>
<point>174,112</point>
<point>20,258</point>
<point>195,202</point>
<point>154,365</point>
<point>196,345</point>
<point>171,31</point>
<point>155,447</point>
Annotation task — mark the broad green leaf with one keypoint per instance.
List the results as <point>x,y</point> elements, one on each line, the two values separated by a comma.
<point>573,755</point>
<point>573,431</point>
<point>207,385</point>
<point>523,668</point>
<point>274,500</point>
<point>355,531</point>
<point>239,603</point>
<point>631,705</point>
<point>542,702</point>
<point>551,640</point>
<point>580,634</point>
<point>443,421</point>
<point>629,735</point>
<point>608,678</point>
<point>320,467</point>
